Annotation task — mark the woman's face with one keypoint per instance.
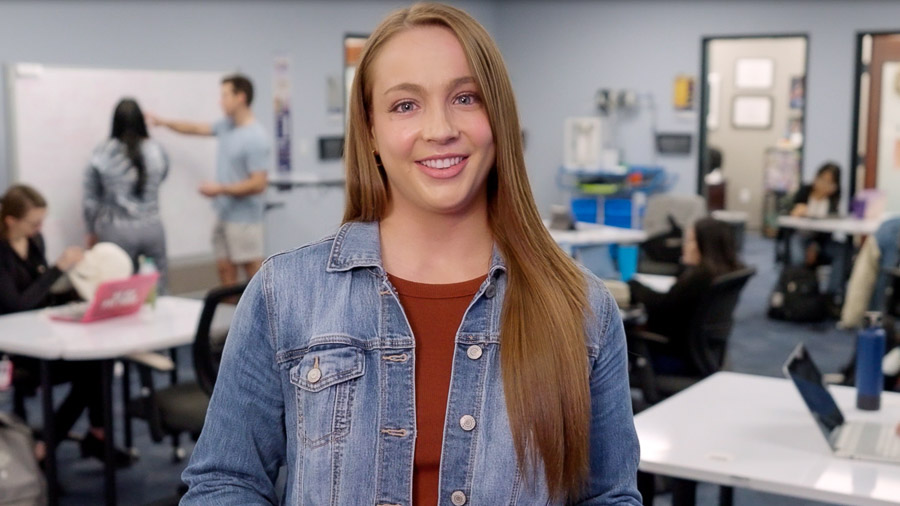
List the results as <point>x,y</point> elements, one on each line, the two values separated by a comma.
<point>28,225</point>
<point>690,253</point>
<point>824,184</point>
<point>429,124</point>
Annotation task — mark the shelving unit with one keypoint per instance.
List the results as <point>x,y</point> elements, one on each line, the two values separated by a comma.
<point>609,196</point>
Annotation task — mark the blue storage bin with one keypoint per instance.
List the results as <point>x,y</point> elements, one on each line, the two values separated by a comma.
<point>617,213</point>
<point>585,210</point>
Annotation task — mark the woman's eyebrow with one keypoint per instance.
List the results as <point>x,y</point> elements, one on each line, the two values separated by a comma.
<point>415,88</point>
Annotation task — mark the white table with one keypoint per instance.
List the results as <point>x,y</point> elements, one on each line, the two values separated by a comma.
<point>732,217</point>
<point>657,282</point>
<point>755,432</point>
<point>305,179</point>
<point>593,234</point>
<point>32,333</point>
<point>839,228</point>
<point>845,226</point>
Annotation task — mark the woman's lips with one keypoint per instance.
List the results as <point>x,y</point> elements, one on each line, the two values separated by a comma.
<point>444,167</point>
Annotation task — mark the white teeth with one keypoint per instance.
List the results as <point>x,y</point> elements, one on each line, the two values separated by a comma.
<point>442,163</point>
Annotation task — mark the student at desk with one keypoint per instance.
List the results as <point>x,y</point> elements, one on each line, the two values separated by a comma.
<point>25,282</point>
<point>707,252</point>
<point>819,200</point>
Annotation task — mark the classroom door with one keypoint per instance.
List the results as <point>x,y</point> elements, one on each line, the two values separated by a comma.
<point>754,118</point>
<point>879,119</point>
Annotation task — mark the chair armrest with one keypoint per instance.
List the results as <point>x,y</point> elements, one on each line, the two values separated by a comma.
<point>152,360</point>
<point>641,374</point>
<point>646,335</point>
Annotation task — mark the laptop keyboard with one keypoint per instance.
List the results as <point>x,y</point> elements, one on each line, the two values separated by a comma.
<point>73,311</point>
<point>872,439</point>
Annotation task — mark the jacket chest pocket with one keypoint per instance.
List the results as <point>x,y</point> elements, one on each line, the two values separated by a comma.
<point>324,382</point>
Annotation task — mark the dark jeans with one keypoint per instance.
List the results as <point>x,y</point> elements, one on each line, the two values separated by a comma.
<point>85,378</point>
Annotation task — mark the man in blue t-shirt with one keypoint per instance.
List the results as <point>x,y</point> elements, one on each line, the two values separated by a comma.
<point>242,163</point>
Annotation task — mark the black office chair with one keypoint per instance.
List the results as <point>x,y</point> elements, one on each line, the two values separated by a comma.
<point>181,408</point>
<point>892,294</point>
<point>710,328</point>
<point>891,318</point>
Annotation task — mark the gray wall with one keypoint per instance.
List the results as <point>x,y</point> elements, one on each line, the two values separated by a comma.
<point>743,150</point>
<point>561,52</point>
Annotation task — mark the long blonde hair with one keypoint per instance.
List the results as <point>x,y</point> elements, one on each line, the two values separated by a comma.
<point>543,344</point>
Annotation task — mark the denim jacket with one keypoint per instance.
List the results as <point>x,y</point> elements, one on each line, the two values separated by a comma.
<point>318,376</point>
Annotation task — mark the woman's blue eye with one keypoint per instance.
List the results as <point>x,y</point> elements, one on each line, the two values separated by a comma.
<point>404,107</point>
<point>467,99</point>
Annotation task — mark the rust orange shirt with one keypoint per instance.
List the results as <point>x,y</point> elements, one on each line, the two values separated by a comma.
<point>434,313</point>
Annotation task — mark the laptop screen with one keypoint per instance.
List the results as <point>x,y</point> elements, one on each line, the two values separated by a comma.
<point>801,369</point>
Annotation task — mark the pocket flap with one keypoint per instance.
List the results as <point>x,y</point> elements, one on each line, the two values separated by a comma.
<point>335,365</point>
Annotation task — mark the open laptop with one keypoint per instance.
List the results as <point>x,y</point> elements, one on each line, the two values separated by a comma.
<point>112,298</point>
<point>855,440</point>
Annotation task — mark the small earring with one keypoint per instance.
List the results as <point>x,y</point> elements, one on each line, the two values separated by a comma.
<point>377,159</point>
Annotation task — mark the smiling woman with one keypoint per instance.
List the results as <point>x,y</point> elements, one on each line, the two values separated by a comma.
<point>440,348</point>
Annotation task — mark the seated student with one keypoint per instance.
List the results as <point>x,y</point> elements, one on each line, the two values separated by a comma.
<point>868,281</point>
<point>707,252</point>
<point>25,281</point>
<point>819,200</point>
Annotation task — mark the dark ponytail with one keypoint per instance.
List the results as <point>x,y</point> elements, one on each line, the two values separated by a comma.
<point>129,128</point>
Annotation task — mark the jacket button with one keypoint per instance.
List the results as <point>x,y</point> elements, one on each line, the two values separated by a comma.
<point>490,291</point>
<point>467,422</point>
<point>314,375</point>
<point>474,352</point>
<point>458,498</point>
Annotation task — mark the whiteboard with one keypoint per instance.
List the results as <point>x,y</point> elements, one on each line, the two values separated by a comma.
<point>60,114</point>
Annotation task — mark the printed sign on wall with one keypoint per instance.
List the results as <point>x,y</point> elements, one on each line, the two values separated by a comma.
<point>282,97</point>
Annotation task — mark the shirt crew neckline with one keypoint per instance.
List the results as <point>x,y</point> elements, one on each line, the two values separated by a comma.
<point>417,290</point>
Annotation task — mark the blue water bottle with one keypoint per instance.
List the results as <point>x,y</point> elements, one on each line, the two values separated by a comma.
<point>869,354</point>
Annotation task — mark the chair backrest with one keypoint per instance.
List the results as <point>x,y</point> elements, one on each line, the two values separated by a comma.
<point>685,209</point>
<point>892,293</point>
<point>206,354</point>
<point>713,320</point>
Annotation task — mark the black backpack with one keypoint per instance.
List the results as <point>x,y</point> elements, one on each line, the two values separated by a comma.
<point>796,296</point>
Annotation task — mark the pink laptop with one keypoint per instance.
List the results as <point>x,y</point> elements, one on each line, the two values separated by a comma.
<point>113,298</point>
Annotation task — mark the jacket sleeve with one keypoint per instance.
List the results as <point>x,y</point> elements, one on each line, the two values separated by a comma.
<point>12,300</point>
<point>93,191</point>
<point>614,447</point>
<point>861,284</point>
<point>802,195</point>
<point>242,445</point>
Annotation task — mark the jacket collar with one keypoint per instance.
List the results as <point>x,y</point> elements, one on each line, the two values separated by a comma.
<point>358,244</point>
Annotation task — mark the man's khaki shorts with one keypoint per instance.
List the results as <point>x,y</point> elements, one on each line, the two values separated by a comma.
<point>239,243</point>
